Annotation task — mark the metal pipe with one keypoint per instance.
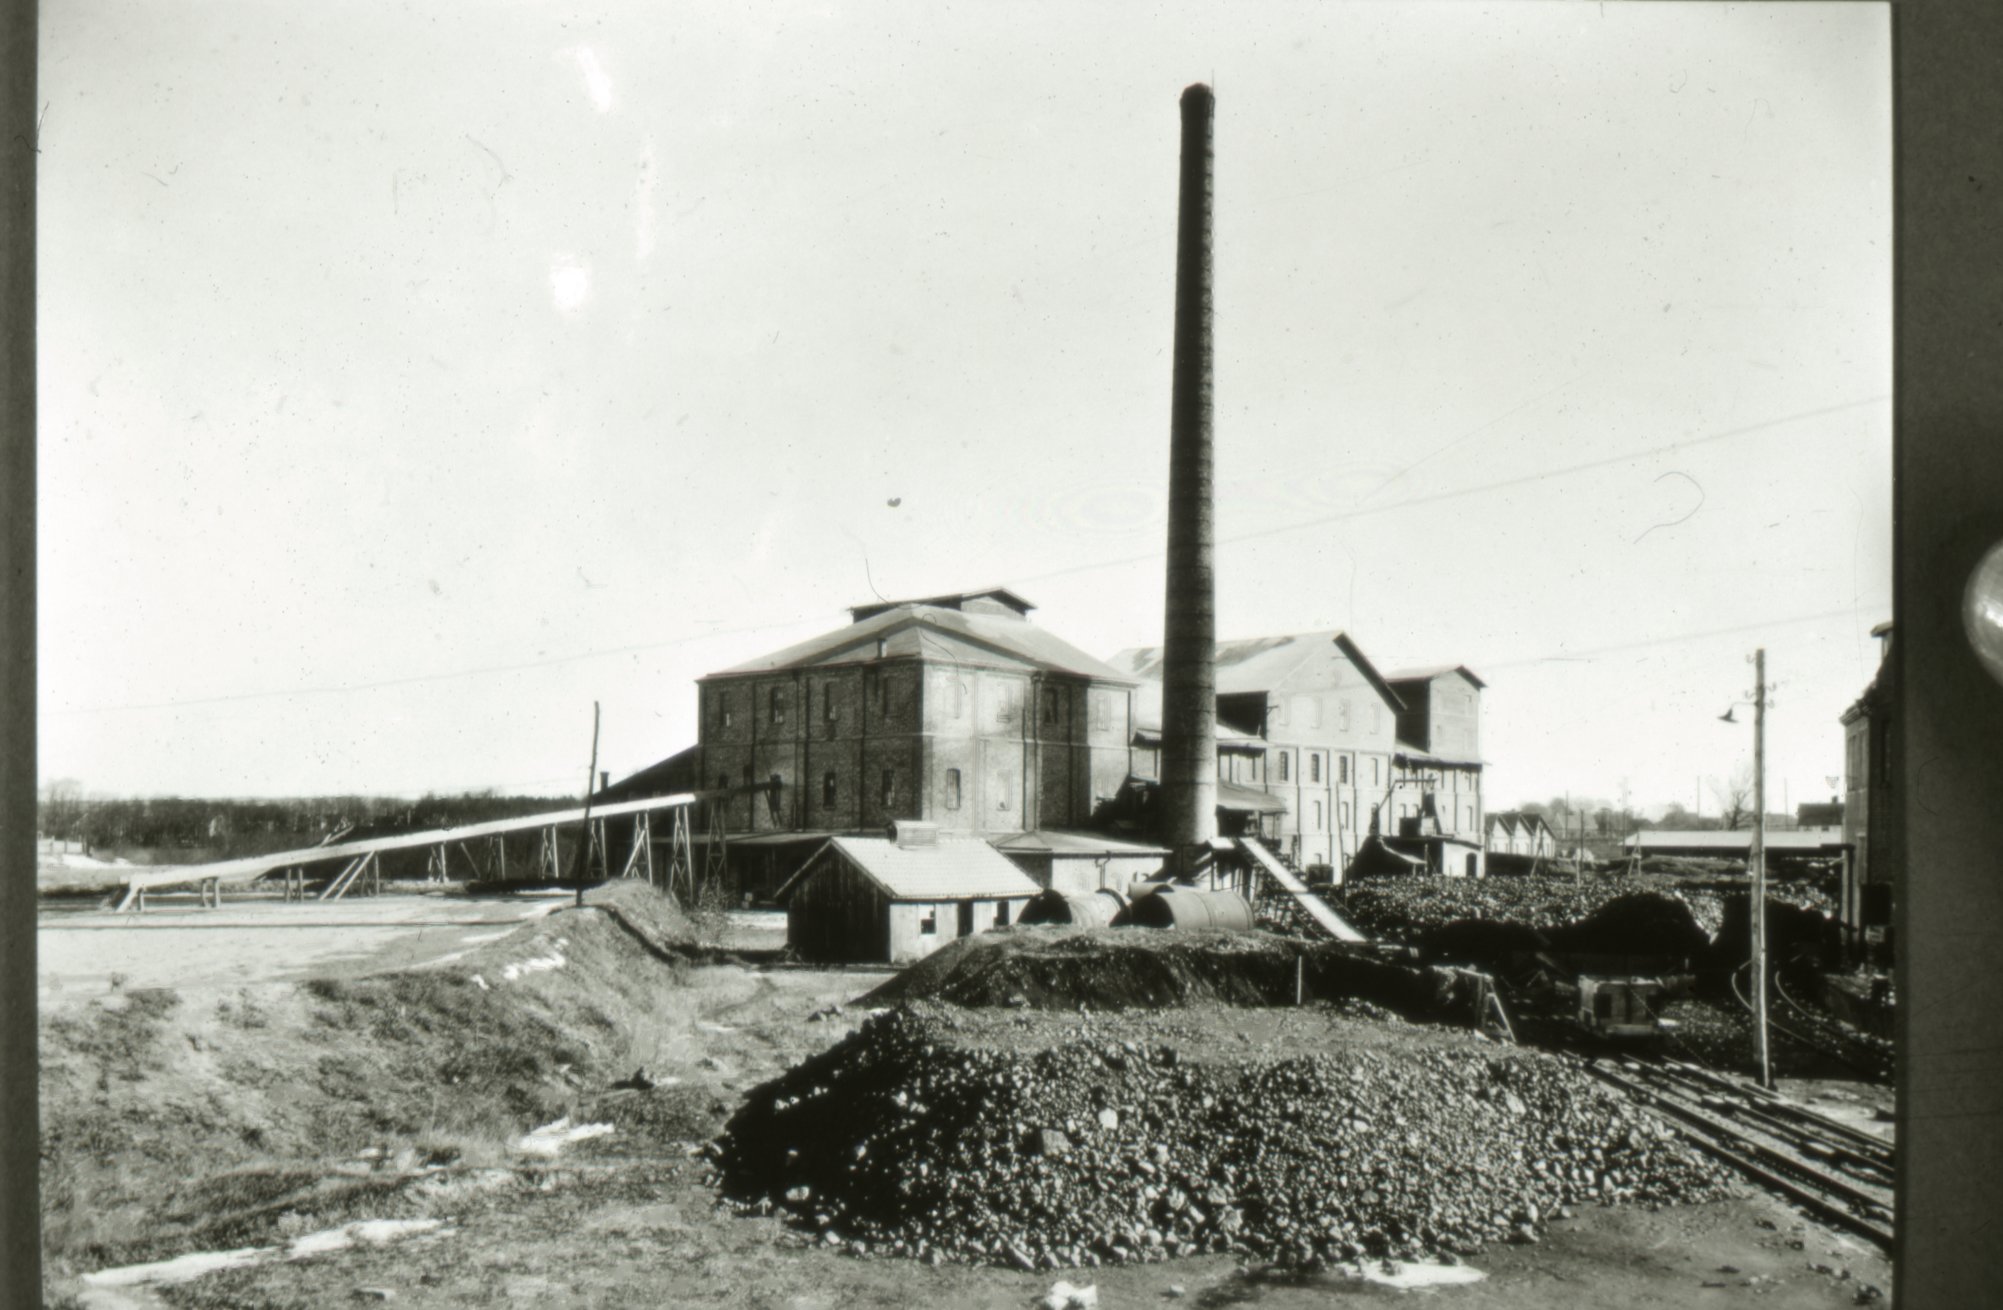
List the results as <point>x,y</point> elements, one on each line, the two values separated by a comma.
<point>1189,642</point>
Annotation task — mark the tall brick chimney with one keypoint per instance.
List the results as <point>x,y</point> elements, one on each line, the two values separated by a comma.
<point>1189,642</point>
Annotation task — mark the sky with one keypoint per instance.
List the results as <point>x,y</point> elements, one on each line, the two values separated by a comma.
<point>413,377</point>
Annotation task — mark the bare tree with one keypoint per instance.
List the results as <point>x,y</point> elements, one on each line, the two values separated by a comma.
<point>1735,797</point>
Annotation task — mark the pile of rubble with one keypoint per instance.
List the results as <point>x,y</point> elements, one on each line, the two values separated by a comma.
<point>1407,907</point>
<point>1099,1142</point>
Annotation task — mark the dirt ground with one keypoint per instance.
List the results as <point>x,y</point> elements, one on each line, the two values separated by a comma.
<point>626,1217</point>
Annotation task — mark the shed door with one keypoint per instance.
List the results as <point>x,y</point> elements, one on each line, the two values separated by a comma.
<point>966,918</point>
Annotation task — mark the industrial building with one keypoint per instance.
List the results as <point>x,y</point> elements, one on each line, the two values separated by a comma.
<point>1870,819</point>
<point>1434,811</point>
<point>1307,731</point>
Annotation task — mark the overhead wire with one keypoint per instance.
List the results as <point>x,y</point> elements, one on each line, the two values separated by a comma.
<point>1083,567</point>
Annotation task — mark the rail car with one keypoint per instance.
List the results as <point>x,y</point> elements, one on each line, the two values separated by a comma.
<point>1623,1008</point>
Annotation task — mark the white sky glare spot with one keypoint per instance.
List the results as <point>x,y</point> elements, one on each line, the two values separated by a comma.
<point>597,83</point>
<point>569,284</point>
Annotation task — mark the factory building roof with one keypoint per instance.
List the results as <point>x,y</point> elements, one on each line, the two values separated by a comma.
<point>1430,672</point>
<point>1260,663</point>
<point>1011,638</point>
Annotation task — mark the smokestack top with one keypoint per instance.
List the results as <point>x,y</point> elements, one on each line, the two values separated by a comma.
<point>1197,96</point>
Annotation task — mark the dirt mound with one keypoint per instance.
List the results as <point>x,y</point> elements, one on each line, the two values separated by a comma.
<point>647,912</point>
<point>912,1138</point>
<point>1138,968</point>
<point>161,1113</point>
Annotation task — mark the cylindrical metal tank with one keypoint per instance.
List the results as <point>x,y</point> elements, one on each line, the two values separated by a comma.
<point>1192,911</point>
<point>1078,909</point>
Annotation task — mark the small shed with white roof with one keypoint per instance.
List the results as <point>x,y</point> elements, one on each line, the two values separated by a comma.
<point>895,899</point>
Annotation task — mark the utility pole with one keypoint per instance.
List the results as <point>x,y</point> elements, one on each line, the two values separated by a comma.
<point>583,865</point>
<point>1759,864</point>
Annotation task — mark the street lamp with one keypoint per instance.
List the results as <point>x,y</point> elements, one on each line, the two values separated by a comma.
<point>1757,861</point>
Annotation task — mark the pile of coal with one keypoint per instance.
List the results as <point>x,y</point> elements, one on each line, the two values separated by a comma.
<point>1098,1150</point>
<point>1408,908</point>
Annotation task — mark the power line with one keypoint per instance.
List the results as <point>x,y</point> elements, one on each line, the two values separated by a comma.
<point>1086,567</point>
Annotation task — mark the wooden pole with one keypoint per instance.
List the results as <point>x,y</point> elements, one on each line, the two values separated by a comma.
<point>1759,863</point>
<point>583,863</point>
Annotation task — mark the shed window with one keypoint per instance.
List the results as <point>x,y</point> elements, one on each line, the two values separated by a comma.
<point>828,787</point>
<point>1001,914</point>
<point>952,789</point>
<point>777,700</point>
<point>929,925</point>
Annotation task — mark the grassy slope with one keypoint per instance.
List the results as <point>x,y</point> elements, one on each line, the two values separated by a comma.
<point>173,1124</point>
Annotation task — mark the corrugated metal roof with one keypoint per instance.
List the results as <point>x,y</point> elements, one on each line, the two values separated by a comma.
<point>954,869</point>
<point>1016,639</point>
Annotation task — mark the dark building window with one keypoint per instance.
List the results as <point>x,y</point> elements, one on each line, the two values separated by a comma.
<point>1001,914</point>
<point>777,698</point>
<point>828,788</point>
<point>1342,767</point>
<point>828,701</point>
<point>1314,768</point>
<point>929,925</point>
<point>952,789</point>
<point>889,785</point>
<point>723,709</point>
<point>772,802</point>
<point>1283,766</point>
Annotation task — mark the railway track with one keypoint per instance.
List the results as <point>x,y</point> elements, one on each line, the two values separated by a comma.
<point>1842,1175</point>
<point>1816,1031</point>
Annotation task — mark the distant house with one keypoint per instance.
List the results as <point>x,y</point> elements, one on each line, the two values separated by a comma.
<point>891,900</point>
<point>1811,815</point>
<point>1736,844</point>
<point>1511,832</point>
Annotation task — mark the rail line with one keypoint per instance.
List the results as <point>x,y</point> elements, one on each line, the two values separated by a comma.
<point>1840,1174</point>
<point>1824,1037</point>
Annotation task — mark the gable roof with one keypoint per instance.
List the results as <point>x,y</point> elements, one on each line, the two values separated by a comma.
<point>1262,663</point>
<point>1015,638</point>
<point>955,868</point>
<point>1432,671</point>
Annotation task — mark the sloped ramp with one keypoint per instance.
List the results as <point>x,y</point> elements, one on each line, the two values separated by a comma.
<point>1317,909</point>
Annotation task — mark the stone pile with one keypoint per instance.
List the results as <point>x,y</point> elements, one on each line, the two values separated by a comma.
<point>1097,1148</point>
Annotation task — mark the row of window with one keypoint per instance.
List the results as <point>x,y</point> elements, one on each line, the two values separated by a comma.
<point>1283,768</point>
<point>877,688</point>
<point>929,925</point>
<point>831,787</point>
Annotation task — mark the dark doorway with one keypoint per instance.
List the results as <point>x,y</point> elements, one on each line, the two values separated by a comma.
<point>966,918</point>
